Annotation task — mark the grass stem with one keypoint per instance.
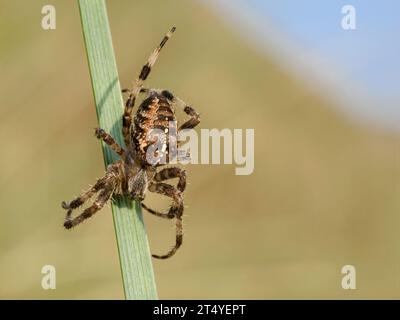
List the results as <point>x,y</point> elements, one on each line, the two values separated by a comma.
<point>133,247</point>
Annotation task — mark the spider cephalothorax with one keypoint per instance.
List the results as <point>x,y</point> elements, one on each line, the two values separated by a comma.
<point>133,174</point>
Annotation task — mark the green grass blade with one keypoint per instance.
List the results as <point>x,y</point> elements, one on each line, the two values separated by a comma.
<point>133,247</point>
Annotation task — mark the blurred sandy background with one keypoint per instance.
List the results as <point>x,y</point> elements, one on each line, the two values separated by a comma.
<point>324,192</point>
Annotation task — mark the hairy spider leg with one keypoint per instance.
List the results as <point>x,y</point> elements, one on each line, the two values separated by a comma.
<point>176,209</point>
<point>194,119</point>
<point>127,117</point>
<point>110,141</point>
<point>166,174</point>
<point>104,183</point>
<point>102,198</point>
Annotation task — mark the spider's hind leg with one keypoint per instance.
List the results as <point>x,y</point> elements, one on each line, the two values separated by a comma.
<point>190,111</point>
<point>137,87</point>
<point>142,90</point>
<point>194,118</point>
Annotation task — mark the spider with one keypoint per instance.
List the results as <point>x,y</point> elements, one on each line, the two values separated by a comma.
<point>133,175</point>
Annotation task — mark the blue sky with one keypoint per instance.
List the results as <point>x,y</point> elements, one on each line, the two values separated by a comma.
<point>371,53</point>
<point>368,56</point>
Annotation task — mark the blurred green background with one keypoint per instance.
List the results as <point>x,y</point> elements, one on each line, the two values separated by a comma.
<point>324,192</point>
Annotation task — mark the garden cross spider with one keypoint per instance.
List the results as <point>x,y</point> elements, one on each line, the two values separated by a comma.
<point>132,175</point>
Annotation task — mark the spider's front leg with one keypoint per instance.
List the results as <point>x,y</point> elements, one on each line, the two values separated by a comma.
<point>166,174</point>
<point>171,173</point>
<point>103,197</point>
<point>105,186</point>
<point>176,209</point>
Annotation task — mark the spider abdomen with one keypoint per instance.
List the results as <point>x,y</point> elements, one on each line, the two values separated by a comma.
<point>155,112</point>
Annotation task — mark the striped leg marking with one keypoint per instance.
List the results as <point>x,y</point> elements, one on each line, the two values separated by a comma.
<point>127,117</point>
<point>176,211</point>
<point>109,140</point>
<point>103,197</point>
